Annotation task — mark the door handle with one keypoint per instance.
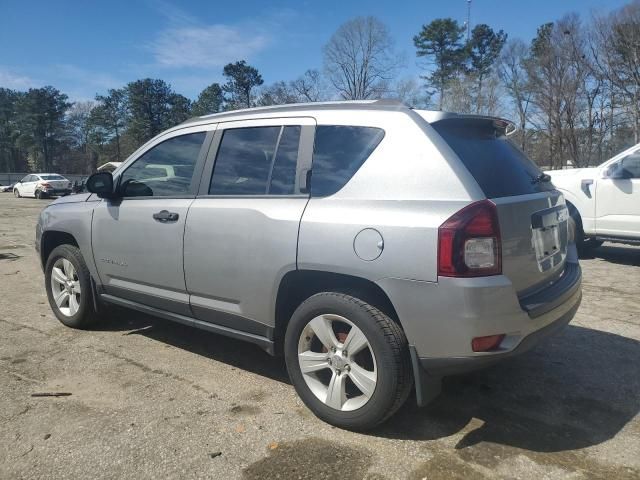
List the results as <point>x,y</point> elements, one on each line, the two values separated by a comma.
<point>165,216</point>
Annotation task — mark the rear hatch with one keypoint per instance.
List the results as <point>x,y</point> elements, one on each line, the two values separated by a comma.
<point>532,214</point>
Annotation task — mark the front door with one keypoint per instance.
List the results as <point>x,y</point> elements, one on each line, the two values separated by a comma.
<point>242,231</point>
<point>618,199</point>
<point>138,239</point>
<point>28,187</point>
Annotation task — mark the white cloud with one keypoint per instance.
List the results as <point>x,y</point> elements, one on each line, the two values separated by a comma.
<point>9,78</point>
<point>207,46</point>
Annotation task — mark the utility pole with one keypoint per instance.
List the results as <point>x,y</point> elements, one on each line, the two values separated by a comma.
<point>468,19</point>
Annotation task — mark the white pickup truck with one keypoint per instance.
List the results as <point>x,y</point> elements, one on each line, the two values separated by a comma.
<point>604,201</point>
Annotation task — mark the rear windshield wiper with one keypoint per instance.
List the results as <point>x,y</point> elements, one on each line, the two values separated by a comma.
<point>542,178</point>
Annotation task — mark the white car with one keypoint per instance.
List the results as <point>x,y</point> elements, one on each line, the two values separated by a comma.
<point>6,188</point>
<point>41,185</point>
<point>604,201</point>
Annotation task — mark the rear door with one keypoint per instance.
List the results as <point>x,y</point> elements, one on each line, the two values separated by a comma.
<point>618,199</point>
<point>533,216</point>
<point>242,231</point>
<point>138,239</point>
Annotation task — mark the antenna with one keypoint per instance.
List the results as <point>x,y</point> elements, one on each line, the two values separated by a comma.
<point>468,19</point>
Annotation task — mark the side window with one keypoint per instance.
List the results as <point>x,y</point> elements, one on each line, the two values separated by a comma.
<point>338,153</point>
<point>165,170</point>
<point>256,161</point>
<point>631,165</point>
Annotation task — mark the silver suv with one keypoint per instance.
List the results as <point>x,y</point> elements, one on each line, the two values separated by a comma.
<point>376,247</point>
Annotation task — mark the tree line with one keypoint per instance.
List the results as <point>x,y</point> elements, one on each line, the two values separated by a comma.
<point>573,92</point>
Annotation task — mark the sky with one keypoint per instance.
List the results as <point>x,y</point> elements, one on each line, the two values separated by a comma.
<point>87,47</point>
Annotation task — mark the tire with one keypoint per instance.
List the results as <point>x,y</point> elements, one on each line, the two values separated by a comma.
<point>584,244</point>
<point>385,358</point>
<point>16,193</point>
<point>38,194</point>
<point>75,308</point>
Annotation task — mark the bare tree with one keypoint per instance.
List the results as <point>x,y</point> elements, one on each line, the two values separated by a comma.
<point>360,60</point>
<point>410,91</point>
<point>512,72</point>
<point>309,87</point>
<point>618,57</point>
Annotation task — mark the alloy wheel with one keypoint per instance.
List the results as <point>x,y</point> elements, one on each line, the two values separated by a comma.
<point>65,286</point>
<point>337,362</point>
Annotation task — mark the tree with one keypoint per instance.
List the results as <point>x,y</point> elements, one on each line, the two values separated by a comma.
<point>484,47</point>
<point>11,156</point>
<point>410,92</point>
<point>441,42</point>
<point>153,107</point>
<point>209,101</point>
<point>41,115</point>
<point>360,60</point>
<point>80,129</point>
<point>109,118</point>
<point>309,87</point>
<point>618,57</point>
<point>280,93</point>
<point>513,75</point>
<point>241,80</point>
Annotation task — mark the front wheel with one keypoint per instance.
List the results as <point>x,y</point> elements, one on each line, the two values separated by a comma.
<point>348,361</point>
<point>16,193</point>
<point>68,285</point>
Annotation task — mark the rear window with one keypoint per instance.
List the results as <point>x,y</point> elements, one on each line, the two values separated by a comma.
<point>500,168</point>
<point>339,151</point>
<point>52,177</point>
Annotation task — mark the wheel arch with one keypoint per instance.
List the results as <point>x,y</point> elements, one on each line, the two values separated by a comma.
<point>52,239</point>
<point>298,285</point>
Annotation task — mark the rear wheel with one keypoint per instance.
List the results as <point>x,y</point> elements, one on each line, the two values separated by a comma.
<point>347,360</point>
<point>38,194</point>
<point>68,285</point>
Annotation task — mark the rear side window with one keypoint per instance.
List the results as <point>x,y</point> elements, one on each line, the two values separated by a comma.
<point>52,177</point>
<point>500,168</point>
<point>256,161</point>
<point>338,153</point>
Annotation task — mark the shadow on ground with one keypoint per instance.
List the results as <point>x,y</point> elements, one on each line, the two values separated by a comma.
<point>578,389</point>
<point>234,352</point>
<point>622,255</point>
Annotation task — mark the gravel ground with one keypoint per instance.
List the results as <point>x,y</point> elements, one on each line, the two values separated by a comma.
<point>151,399</point>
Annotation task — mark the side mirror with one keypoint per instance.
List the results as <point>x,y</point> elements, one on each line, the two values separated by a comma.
<point>101,184</point>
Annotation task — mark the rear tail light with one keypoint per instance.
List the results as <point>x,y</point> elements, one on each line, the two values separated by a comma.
<point>469,242</point>
<point>45,185</point>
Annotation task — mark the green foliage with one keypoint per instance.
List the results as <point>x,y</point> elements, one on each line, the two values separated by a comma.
<point>441,42</point>
<point>109,119</point>
<point>11,158</point>
<point>209,101</point>
<point>241,80</point>
<point>484,47</point>
<point>41,115</point>
<point>153,107</point>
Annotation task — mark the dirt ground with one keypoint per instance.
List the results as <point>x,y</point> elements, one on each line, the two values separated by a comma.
<point>151,399</point>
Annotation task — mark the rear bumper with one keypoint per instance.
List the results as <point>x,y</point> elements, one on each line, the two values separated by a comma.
<point>441,318</point>
<point>441,367</point>
<point>57,191</point>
